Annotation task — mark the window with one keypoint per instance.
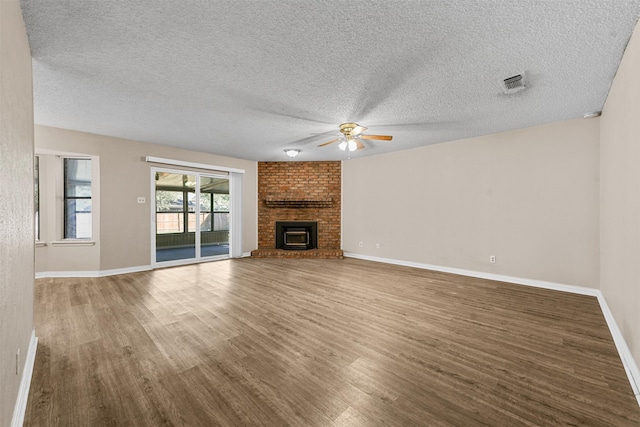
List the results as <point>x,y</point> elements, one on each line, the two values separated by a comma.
<point>220,212</point>
<point>181,210</point>
<point>169,211</point>
<point>36,196</point>
<point>205,212</point>
<point>77,198</point>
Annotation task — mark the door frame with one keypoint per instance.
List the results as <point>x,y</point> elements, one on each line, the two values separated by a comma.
<point>198,255</point>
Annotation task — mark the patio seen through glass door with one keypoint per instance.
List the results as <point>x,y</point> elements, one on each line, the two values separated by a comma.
<point>192,216</point>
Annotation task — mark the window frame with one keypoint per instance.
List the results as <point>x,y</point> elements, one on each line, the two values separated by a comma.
<point>183,211</point>
<point>186,211</point>
<point>203,213</point>
<point>214,212</point>
<point>36,196</point>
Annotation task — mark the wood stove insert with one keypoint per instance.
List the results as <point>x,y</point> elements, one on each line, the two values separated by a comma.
<point>296,235</point>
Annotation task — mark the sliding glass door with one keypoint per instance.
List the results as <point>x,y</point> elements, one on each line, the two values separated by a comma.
<point>191,217</point>
<point>214,216</point>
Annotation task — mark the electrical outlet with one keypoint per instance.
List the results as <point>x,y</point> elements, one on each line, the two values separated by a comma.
<point>492,259</point>
<point>378,245</point>
<point>360,244</point>
<point>18,362</point>
<point>142,200</point>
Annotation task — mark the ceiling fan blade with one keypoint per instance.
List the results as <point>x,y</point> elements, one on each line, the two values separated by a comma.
<point>378,137</point>
<point>313,138</point>
<point>359,144</point>
<point>330,142</point>
<point>358,130</point>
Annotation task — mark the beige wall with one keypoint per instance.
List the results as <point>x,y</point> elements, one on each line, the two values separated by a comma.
<point>620,197</point>
<point>529,197</point>
<point>16,209</point>
<point>124,239</point>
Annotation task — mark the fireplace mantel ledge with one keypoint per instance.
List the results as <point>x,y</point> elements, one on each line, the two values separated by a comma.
<point>285,202</point>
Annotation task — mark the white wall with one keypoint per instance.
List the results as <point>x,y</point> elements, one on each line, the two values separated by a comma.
<point>529,197</point>
<point>620,197</point>
<point>16,203</point>
<point>124,239</point>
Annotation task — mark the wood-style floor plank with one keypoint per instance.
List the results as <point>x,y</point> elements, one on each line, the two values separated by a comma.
<point>310,342</point>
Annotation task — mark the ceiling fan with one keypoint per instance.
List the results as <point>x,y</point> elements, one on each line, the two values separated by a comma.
<point>351,136</point>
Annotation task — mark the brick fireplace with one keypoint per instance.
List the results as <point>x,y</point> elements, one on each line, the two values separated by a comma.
<point>299,191</point>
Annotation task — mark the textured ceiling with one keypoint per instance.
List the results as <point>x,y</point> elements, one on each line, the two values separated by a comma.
<point>250,78</point>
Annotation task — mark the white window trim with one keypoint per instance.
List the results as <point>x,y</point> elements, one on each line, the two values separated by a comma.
<point>51,199</point>
<point>75,241</point>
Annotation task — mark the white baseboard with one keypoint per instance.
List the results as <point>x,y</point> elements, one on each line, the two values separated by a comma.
<point>482,275</point>
<point>630,366</point>
<point>113,272</point>
<point>100,273</point>
<point>25,383</point>
<point>629,363</point>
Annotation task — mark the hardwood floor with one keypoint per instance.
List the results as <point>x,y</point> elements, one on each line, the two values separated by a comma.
<point>309,342</point>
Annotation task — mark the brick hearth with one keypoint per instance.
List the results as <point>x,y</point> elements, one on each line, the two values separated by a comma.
<point>311,253</point>
<point>299,191</point>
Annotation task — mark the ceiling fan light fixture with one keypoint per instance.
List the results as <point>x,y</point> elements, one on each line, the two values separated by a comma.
<point>292,152</point>
<point>350,144</point>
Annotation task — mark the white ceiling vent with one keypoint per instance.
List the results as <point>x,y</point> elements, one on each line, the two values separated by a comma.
<point>514,84</point>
